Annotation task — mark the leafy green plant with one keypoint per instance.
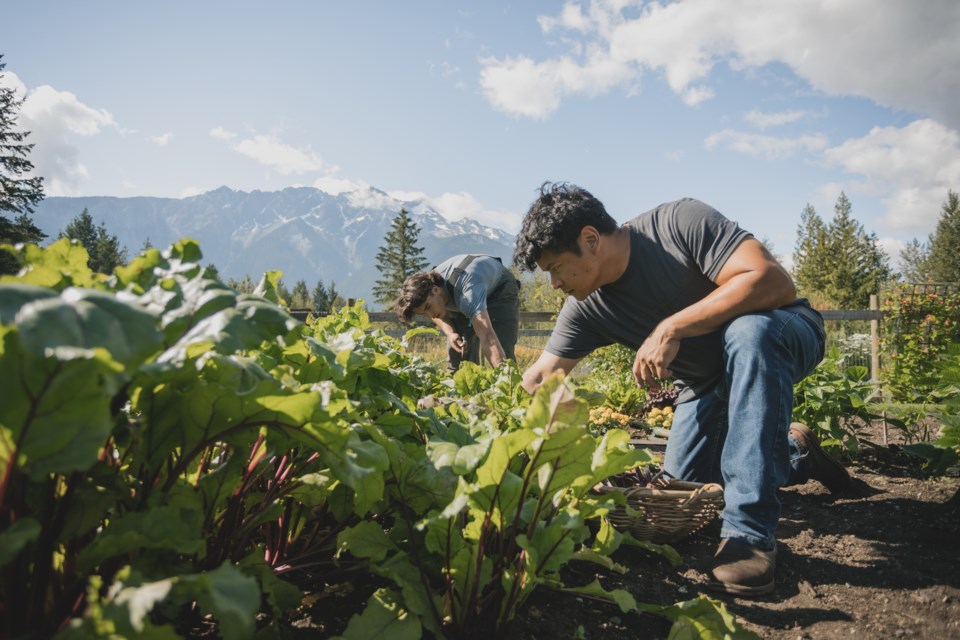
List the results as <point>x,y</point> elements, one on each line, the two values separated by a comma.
<point>944,452</point>
<point>139,436</point>
<point>172,450</point>
<point>835,401</point>
<point>609,372</point>
<point>919,326</point>
<point>521,510</point>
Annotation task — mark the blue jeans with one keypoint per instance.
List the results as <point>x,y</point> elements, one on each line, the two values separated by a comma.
<point>736,433</point>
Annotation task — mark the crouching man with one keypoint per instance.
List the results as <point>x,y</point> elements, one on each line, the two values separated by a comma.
<point>701,301</point>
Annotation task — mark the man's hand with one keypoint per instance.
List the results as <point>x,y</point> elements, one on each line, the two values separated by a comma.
<point>457,343</point>
<point>490,345</point>
<point>654,356</point>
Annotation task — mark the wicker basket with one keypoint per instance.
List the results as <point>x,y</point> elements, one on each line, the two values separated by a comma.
<point>671,511</point>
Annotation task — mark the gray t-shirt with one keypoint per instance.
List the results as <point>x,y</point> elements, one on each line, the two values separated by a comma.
<point>676,250</point>
<point>480,277</point>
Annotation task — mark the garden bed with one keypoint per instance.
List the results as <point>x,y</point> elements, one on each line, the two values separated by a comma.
<point>877,562</point>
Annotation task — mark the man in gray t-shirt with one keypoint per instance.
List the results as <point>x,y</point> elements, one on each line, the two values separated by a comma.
<point>474,300</point>
<point>702,302</point>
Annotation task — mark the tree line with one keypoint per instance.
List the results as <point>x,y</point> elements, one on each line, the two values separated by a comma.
<point>836,263</point>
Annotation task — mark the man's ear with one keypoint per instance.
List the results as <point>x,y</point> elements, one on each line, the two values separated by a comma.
<point>590,238</point>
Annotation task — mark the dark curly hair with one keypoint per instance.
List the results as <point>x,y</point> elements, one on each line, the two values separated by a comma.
<point>414,292</point>
<point>554,221</point>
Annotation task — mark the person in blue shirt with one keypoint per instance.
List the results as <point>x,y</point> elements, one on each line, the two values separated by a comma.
<point>474,300</point>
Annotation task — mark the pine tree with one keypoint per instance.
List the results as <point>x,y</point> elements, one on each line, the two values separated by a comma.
<point>103,248</point>
<point>858,265</point>
<point>108,254</point>
<point>300,296</point>
<point>335,300</point>
<point>324,299</point>
<point>915,260</point>
<point>82,230</point>
<point>399,257</point>
<point>840,264</point>
<point>810,253</point>
<point>944,259</point>
<point>18,194</point>
<point>244,285</point>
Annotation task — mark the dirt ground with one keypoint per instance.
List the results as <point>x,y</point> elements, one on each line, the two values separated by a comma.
<point>880,561</point>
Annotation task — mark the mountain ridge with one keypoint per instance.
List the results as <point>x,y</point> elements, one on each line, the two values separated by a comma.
<point>305,232</point>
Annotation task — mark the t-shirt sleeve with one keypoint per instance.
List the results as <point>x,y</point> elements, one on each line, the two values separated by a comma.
<point>574,335</point>
<point>706,236</point>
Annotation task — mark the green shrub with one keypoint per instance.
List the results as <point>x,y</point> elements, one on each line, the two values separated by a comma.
<point>919,325</point>
<point>834,401</point>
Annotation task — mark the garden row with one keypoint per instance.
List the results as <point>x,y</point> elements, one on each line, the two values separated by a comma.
<point>174,455</point>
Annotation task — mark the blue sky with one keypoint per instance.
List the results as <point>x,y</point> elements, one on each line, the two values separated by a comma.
<point>755,107</point>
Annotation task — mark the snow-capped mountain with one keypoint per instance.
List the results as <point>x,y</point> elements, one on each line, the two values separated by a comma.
<point>307,233</point>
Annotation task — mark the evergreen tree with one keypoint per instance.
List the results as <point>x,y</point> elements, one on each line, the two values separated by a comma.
<point>18,194</point>
<point>335,300</point>
<point>399,257</point>
<point>944,259</point>
<point>914,261</point>
<point>323,298</point>
<point>300,296</point>
<point>858,265</point>
<point>104,250</point>
<point>108,254</point>
<point>82,230</point>
<point>810,255</point>
<point>244,285</point>
<point>840,263</point>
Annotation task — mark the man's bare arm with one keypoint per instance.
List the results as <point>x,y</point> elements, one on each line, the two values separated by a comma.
<point>545,366</point>
<point>490,345</point>
<point>454,339</point>
<point>750,280</point>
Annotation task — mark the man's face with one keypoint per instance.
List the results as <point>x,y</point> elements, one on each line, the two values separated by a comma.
<point>435,306</point>
<point>575,275</point>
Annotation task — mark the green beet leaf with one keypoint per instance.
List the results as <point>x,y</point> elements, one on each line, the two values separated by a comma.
<point>383,617</point>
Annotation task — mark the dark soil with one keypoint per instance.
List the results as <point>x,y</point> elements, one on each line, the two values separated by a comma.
<point>880,561</point>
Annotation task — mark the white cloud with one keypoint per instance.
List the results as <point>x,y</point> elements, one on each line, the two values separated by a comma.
<point>53,119</point>
<point>282,158</point>
<point>335,186</point>
<point>10,80</point>
<point>459,205</point>
<point>190,191</point>
<point>769,147</point>
<point>910,168</point>
<point>367,196</point>
<point>763,120</point>
<point>161,140</point>
<point>521,86</point>
<point>892,247</point>
<point>222,134</point>
<point>903,55</point>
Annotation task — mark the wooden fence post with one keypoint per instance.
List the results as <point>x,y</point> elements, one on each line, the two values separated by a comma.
<point>874,340</point>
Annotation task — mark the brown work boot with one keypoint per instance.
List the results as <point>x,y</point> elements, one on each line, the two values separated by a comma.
<point>824,468</point>
<point>742,569</point>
